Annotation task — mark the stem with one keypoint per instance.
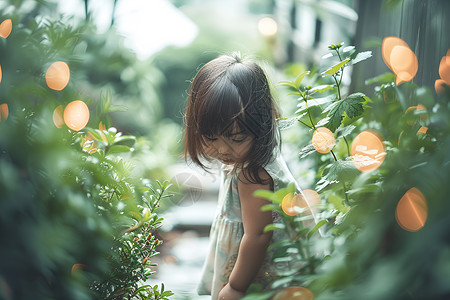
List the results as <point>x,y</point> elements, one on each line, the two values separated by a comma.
<point>309,114</point>
<point>348,147</point>
<point>334,156</point>
<point>338,87</point>
<point>345,194</point>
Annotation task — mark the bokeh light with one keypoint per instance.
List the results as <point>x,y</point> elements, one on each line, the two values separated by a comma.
<point>412,210</point>
<point>76,115</point>
<point>294,293</point>
<point>444,69</point>
<point>411,118</point>
<point>293,203</point>
<point>5,28</point>
<point>423,130</point>
<point>323,140</point>
<point>58,75</point>
<point>0,73</point>
<point>399,58</point>
<point>368,151</point>
<point>267,26</point>
<point>78,267</point>
<point>290,202</point>
<point>4,112</point>
<point>438,86</point>
<point>58,119</point>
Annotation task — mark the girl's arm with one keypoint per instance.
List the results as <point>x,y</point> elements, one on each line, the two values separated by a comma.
<point>255,241</point>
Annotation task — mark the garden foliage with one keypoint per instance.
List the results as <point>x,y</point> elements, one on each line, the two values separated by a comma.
<point>362,250</point>
<point>77,218</point>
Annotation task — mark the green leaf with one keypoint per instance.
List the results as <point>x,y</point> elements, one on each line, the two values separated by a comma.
<point>299,79</point>
<point>352,106</point>
<point>312,102</point>
<point>344,131</point>
<point>307,150</point>
<point>383,78</point>
<point>259,296</point>
<point>275,226</point>
<point>342,170</point>
<point>95,134</point>
<point>334,69</point>
<point>321,88</point>
<point>264,194</point>
<point>270,207</point>
<point>118,149</point>
<point>284,124</point>
<point>337,202</point>
<point>315,228</point>
<point>361,56</point>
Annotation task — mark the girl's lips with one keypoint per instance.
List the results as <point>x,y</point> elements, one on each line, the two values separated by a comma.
<point>226,161</point>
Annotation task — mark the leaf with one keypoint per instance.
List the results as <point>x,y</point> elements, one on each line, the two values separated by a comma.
<point>275,226</point>
<point>334,69</point>
<point>323,122</point>
<point>344,131</point>
<point>299,79</point>
<point>307,150</point>
<point>383,78</point>
<point>259,296</point>
<point>361,56</point>
<point>312,102</point>
<point>338,203</point>
<point>264,194</point>
<point>342,170</point>
<point>270,207</point>
<point>321,88</point>
<point>315,228</point>
<point>284,124</point>
<point>118,149</point>
<point>95,134</point>
<point>352,106</point>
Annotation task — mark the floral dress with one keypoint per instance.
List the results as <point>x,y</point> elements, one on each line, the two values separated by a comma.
<point>227,230</point>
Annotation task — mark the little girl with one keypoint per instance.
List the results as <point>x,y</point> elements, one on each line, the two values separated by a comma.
<point>231,117</point>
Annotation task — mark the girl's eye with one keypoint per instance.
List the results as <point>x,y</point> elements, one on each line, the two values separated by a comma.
<point>210,138</point>
<point>239,139</point>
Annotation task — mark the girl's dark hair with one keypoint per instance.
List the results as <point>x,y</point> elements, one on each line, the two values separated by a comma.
<point>228,91</point>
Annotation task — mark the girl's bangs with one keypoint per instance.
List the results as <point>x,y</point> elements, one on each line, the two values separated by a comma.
<point>221,107</point>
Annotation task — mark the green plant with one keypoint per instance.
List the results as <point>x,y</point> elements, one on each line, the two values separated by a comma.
<point>365,251</point>
<point>76,216</point>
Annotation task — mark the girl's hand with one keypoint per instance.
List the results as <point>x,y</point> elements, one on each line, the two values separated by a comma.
<point>228,293</point>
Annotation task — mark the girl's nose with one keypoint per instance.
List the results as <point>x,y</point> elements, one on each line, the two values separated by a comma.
<point>222,147</point>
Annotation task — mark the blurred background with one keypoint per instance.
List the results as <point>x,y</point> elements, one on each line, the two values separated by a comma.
<point>143,54</point>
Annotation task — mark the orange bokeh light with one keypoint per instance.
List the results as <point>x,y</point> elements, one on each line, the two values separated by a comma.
<point>323,140</point>
<point>444,69</point>
<point>294,293</point>
<point>292,203</point>
<point>368,151</point>
<point>399,58</point>
<point>58,75</point>
<point>388,45</point>
<point>58,119</point>
<point>76,115</point>
<point>4,112</point>
<point>78,267</point>
<point>438,86</point>
<point>5,28</point>
<point>412,210</point>
<point>0,73</point>
<point>423,130</point>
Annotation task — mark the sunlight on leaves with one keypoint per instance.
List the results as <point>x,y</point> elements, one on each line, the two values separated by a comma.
<point>5,28</point>
<point>57,76</point>
<point>294,293</point>
<point>323,140</point>
<point>76,115</point>
<point>368,151</point>
<point>4,112</point>
<point>412,210</point>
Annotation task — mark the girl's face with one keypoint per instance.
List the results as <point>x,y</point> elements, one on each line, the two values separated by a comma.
<point>230,149</point>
